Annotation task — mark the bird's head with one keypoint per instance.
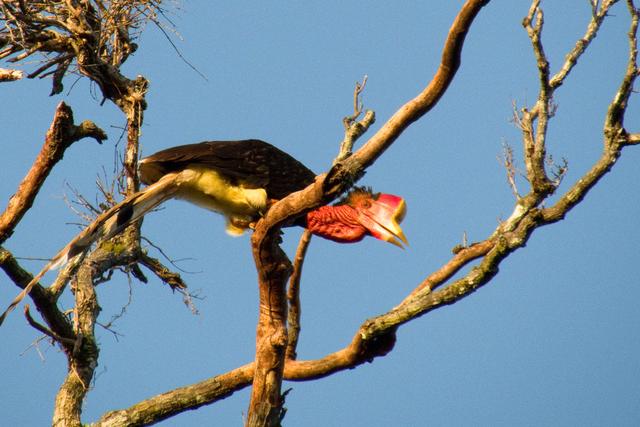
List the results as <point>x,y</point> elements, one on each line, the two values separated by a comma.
<point>361,213</point>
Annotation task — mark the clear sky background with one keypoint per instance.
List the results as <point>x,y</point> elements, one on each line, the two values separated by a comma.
<point>553,340</point>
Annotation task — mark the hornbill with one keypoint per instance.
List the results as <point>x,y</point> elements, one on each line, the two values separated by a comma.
<point>240,180</point>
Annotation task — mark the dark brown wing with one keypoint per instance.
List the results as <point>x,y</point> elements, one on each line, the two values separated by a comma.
<point>251,163</point>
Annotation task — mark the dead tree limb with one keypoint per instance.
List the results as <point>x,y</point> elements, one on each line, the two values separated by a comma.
<point>61,134</point>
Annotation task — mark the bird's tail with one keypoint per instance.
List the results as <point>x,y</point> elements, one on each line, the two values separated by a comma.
<point>105,226</point>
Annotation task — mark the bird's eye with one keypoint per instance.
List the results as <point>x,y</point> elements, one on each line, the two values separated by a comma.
<point>366,204</point>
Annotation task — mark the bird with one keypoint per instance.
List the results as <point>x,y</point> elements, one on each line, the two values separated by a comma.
<point>240,180</point>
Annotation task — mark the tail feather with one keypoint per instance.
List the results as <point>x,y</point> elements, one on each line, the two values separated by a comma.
<point>105,226</point>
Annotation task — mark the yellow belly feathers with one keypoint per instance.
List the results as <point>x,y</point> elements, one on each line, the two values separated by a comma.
<point>241,206</point>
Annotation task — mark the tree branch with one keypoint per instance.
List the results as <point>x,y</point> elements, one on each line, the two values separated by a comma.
<point>274,268</point>
<point>427,99</point>
<point>293,295</point>
<point>354,128</point>
<point>162,272</point>
<point>167,404</point>
<point>614,120</point>
<point>48,332</point>
<point>597,17</point>
<point>534,136</point>
<point>83,359</point>
<point>61,134</point>
<point>462,257</point>
<point>43,299</point>
<point>7,75</point>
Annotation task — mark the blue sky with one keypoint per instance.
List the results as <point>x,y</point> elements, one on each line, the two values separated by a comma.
<point>552,340</point>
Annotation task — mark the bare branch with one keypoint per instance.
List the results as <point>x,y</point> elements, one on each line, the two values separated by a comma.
<point>534,136</point>
<point>171,403</point>
<point>167,276</point>
<point>533,23</point>
<point>99,38</point>
<point>597,17</point>
<point>43,299</point>
<point>7,75</point>
<point>614,121</point>
<point>329,186</point>
<point>60,136</point>
<point>425,101</point>
<point>353,128</point>
<point>507,161</point>
<point>83,358</point>
<point>462,257</point>
<point>48,332</point>
<point>293,295</point>
<point>273,268</point>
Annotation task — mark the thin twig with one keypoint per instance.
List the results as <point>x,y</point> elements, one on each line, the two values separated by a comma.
<point>508,162</point>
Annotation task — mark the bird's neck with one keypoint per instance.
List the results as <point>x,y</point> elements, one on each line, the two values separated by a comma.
<point>337,223</point>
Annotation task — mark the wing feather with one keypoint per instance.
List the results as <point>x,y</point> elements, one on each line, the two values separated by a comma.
<point>251,163</point>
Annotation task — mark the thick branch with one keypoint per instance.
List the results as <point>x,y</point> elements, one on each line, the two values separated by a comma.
<point>167,404</point>
<point>83,359</point>
<point>428,98</point>
<point>60,136</point>
<point>274,268</point>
